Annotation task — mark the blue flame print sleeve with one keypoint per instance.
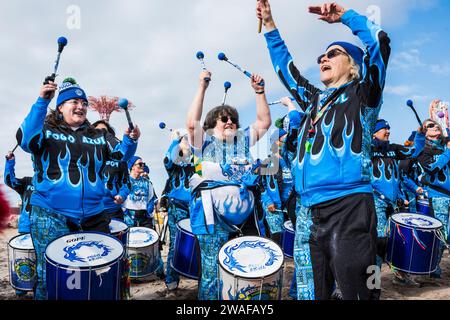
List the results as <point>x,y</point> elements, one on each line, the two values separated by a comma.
<point>171,154</point>
<point>376,56</point>
<point>30,134</point>
<point>121,150</point>
<point>10,177</point>
<point>409,183</point>
<point>434,163</point>
<point>299,87</point>
<point>152,202</point>
<point>266,181</point>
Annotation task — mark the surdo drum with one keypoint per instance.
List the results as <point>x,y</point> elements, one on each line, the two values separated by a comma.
<point>186,253</point>
<point>22,262</point>
<point>143,251</point>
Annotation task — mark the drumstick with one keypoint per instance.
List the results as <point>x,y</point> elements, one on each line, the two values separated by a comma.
<point>164,230</point>
<point>260,26</point>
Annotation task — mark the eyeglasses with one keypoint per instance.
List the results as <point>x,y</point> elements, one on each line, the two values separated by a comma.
<point>225,119</point>
<point>330,54</point>
<point>74,102</point>
<point>140,164</point>
<point>431,125</point>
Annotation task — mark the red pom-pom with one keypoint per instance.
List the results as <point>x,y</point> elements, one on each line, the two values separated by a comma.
<point>5,214</point>
<point>105,105</point>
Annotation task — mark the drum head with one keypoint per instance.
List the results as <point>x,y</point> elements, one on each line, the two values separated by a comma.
<point>141,237</point>
<point>251,257</point>
<point>84,250</point>
<point>288,225</point>
<point>22,242</point>
<point>116,226</point>
<point>185,225</point>
<point>415,220</point>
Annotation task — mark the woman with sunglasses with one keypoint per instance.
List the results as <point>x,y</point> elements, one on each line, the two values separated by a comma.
<point>69,155</point>
<point>435,160</point>
<point>332,170</point>
<point>219,147</point>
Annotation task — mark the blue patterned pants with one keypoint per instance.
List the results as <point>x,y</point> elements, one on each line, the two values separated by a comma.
<point>176,214</point>
<point>382,222</point>
<point>210,245</point>
<point>275,221</point>
<point>46,226</point>
<point>302,255</point>
<point>441,210</point>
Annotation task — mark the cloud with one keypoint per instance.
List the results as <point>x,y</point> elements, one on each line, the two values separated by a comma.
<point>400,90</point>
<point>407,60</point>
<point>441,69</point>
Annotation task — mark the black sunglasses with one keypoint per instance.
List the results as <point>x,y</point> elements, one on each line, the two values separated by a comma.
<point>224,119</point>
<point>330,54</point>
<point>140,164</point>
<point>431,125</point>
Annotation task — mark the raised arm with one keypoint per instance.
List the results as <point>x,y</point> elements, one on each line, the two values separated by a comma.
<point>298,86</point>
<point>125,149</point>
<point>9,175</point>
<point>30,135</point>
<point>263,118</point>
<point>193,126</point>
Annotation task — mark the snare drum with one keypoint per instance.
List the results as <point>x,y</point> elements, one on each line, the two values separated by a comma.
<point>413,243</point>
<point>22,262</point>
<point>84,266</point>
<point>250,268</point>
<point>119,230</point>
<point>186,251</point>
<point>423,207</point>
<point>143,252</point>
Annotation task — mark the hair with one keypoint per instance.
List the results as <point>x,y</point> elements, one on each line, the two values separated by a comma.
<point>442,139</point>
<point>354,69</point>
<point>214,114</point>
<point>109,128</point>
<point>55,119</point>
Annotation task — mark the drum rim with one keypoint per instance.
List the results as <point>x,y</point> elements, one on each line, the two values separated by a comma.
<point>186,231</point>
<point>252,278</point>
<point>287,229</point>
<point>67,267</point>
<point>22,249</point>
<point>182,273</point>
<point>139,247</point>
<point>416,227</point>
<point>124,231</point>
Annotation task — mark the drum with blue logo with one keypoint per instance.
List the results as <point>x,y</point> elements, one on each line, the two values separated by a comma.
<point>250,268</point>
<point>22,262</point>
<point>423,207</point>
<point>84,266</point>
<point>186,251</point>
<point>143,251</point>
<point>288,239</point>
<point>413,243</point>
<point>119,230</point>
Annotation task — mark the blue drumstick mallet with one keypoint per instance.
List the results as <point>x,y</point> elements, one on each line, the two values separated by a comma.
<point>162,126</point>
<point>409,103</point>
<point>200,56</point>
<point>278,102</point>
<point>227,86</point>
<point>223,57</point>
<point>62,42</point>
<point>123,103</point>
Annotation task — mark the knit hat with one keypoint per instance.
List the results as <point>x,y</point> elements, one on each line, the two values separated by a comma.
<point>132,161</point>
<point>69,89</point>
<point>381,124</point>
<point>146,169</point>
<point>353,51</point>
<point>276,135</point>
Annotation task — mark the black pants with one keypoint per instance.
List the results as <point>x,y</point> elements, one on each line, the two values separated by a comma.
<point>99,223</point>
<point>116,215</point>
<point>343,246</point>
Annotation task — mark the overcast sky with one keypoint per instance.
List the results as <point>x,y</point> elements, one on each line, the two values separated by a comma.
<point>145,51</point>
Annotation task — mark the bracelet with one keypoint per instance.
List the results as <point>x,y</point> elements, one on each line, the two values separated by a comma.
<point>259,92</point>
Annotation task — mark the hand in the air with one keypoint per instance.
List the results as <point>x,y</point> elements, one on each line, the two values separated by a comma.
<point>329,12</point>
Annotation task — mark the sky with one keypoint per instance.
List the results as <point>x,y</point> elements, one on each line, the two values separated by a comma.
<point>144,50</point>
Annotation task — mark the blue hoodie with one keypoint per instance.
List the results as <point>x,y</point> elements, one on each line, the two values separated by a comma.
<point>335,161</point>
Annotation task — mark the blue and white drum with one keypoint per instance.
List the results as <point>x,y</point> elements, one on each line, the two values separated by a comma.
<point>288,239</point>
<point>413,243</point>
<point>186,251</point>
<point>423,207</point>
<point>84,266</point>
<point>250,268</point>
<point>143,251</point>
<point>22,262</point>
<point>119,230</point>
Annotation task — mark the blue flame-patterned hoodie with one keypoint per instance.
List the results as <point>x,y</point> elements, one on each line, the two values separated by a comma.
<point>117,183</point>
<point>68,163</point>
<point>24,187</point>
<point>336,161</point>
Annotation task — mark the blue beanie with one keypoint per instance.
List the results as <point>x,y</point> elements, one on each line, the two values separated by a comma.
<point>276,135</point>
<point>69,89</point>
<point>132,161</point>
<point>354,51</point>
<point>381,124</point>
<point>146,169</point>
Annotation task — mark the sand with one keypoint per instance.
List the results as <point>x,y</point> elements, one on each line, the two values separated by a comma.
<point>155,289</point>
